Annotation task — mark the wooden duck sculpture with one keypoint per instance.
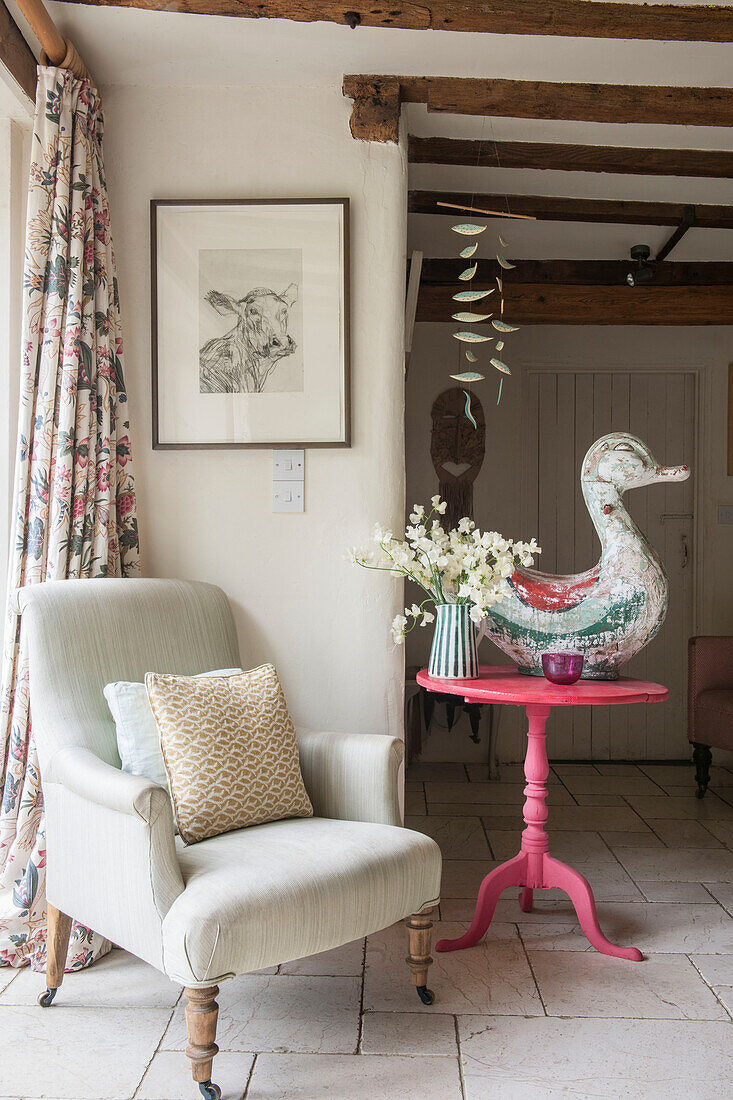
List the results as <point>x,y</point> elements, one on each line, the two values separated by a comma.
<point>610,612</point>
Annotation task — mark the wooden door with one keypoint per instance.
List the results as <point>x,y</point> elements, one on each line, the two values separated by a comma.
<point>569,411</point>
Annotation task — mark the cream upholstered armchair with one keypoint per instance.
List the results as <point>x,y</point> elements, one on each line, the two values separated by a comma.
<point>236,902</point>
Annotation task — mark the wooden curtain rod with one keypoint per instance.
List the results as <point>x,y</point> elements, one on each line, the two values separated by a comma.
<point>55,49</point>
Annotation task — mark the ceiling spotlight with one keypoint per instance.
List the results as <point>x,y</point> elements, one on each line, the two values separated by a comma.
<point>644,271</point>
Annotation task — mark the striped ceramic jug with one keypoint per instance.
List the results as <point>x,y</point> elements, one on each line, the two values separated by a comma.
<point>453,655</point>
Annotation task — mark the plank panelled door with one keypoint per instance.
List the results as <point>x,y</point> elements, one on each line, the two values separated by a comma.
<point>569,410</point>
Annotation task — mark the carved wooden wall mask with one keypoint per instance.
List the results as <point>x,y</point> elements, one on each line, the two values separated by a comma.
<point>457,450</point>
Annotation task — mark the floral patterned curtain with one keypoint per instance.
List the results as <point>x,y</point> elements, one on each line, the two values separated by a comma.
<point>74,508</point>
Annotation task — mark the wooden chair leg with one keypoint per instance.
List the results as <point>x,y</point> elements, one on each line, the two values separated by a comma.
<point>201,1014</point>
<point>57,946</point>
<point>702,759</point>
<point>419,939</point>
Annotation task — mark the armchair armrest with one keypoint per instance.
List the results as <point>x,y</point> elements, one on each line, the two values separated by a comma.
<point>81,772</point>
<point>129,874</point>
<point>352,776</point>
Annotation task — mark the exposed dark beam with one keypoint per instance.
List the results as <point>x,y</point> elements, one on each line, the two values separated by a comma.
<point>443,272</point>
<point>16,55</point>
<point>375,115</point>
<point>569,18</point>
<point>577,102</point>
<point>572,304</point>
<point>687,221</point>
<point>712,163</point>
<point>576,210</point>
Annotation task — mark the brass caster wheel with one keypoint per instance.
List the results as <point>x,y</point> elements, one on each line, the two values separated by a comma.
<point>46,997</point>
<point>426,995</point>
<point>210,1091</point>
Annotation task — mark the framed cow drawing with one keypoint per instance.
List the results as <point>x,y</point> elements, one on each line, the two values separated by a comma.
<point>250,323</point>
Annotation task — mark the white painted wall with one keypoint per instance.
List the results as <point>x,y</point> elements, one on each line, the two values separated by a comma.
<point>498,490</point>
<point>207,514</point>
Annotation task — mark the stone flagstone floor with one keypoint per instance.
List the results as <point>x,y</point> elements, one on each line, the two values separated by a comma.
<point>532,1012</point>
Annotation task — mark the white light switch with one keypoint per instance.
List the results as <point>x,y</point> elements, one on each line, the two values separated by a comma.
<point>287,496</point>
<point>288,471</point>
<point>288,465</point>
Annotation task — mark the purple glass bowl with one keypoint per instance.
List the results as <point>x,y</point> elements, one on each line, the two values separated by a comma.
<point>562,668</point>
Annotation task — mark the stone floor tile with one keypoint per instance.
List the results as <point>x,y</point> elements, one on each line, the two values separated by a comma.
<point>415,802</point>
<point>508,773</point>
<point>564,770</point>
<point>600,800</point>
<point>347,960</point>
<point>685,833</point>
<point>642,838</point>
<point>491,794</point>
<point>507,815</point>
<point>658,808</point>
<point>408,1033</point>
<point>119,980</point>
<point>674,775</point>
<point>543,1057</point>
<point>438,773</point>
<point>725,995</point>
<point>723,893</point>
<point>618,769</point>
<point>77,1053</point>
<point>492,977</point>
<point>385,1077</point>
<point>652,927</point>
<point>588,984</point>
<point>289,1012</point>
<point>169,1076</point>
<point>457,837</point>
<point>675,891</point>
<point>683,865</point>
<point>624,785</point>
<point>594,818</point>
<point>722,831</point>
<point>8,974</point>
<point>715,969</point>
<point>571,847</point>
<point>462,877</point>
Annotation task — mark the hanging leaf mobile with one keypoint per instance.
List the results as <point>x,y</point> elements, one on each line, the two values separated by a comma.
<point>469,336</point>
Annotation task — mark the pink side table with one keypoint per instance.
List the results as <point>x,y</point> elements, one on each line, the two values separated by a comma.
<point>533,868</point>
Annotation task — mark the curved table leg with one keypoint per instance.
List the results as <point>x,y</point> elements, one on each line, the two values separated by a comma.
<point>578,890</point>
<point>525,899</point>
<point>510,873</point>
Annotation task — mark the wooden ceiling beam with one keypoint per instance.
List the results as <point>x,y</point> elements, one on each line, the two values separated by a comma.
<point>566,18</point>
<point>554,156</point>
<point>572,304</point>
<point>443,273</point>
<point>575,102</point>
<point>550,208</point>
<point>16,54</point>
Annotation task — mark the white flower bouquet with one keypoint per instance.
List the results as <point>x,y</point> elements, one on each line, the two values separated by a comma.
<point>463,566</point>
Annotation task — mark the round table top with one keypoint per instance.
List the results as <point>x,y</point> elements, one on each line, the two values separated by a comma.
<point>503,684</point>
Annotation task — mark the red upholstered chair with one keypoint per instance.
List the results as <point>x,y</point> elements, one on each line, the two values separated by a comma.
<point>709,702</point>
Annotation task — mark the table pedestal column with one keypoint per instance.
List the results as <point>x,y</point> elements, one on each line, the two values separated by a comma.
<point>533,868</point>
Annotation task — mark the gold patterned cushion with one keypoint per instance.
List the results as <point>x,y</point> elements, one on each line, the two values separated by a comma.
<point>229,750</point>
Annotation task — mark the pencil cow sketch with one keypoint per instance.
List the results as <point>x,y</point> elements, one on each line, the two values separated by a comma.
<point>242,360</point>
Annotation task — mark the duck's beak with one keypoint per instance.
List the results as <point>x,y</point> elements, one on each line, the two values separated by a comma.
<point>672,473</point>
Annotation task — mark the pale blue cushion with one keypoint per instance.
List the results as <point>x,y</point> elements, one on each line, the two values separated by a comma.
<point>138,742</point>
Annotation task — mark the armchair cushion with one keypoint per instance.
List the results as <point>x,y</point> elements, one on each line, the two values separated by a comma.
<point>277,892</point>
<point>229,749</point>
<point>138,742</point>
